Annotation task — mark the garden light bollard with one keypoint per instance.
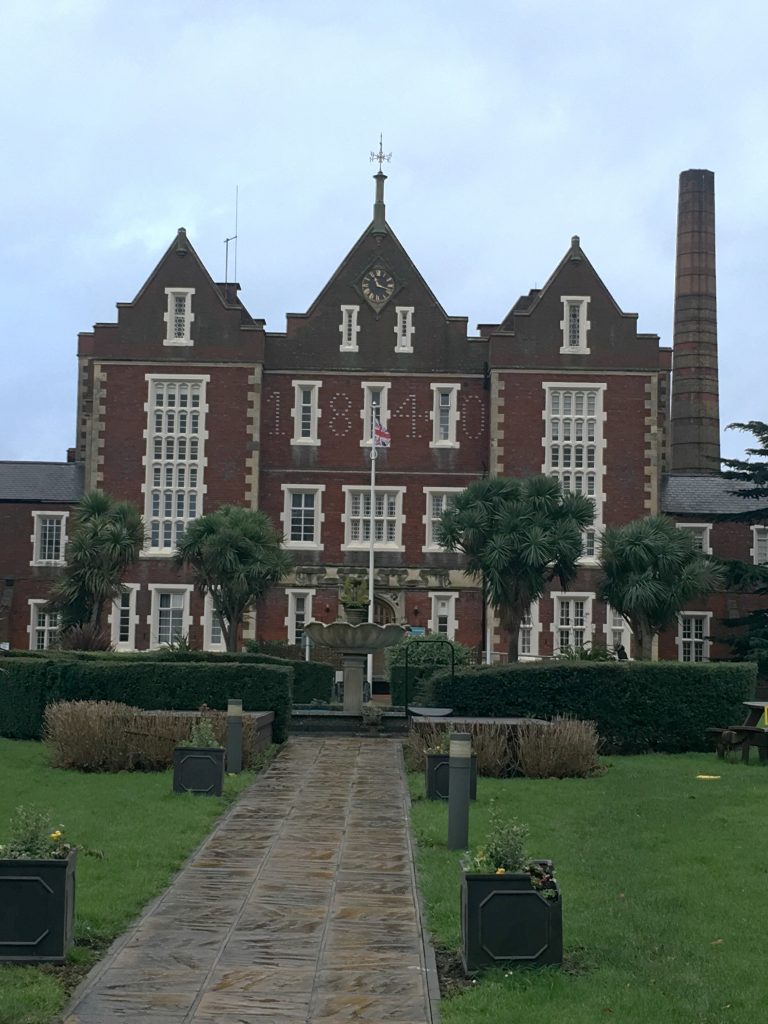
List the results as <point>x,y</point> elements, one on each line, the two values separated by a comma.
<point>234,735</point>
<point>459,769</point>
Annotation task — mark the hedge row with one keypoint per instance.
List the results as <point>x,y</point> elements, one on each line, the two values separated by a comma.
<point>638,706</point>
<point>28,685</point>
<point>417,677</point>
<point>312,680</point>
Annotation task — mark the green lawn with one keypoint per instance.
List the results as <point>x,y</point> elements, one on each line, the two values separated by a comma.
<point>145,833</point>
<point>665,891</point>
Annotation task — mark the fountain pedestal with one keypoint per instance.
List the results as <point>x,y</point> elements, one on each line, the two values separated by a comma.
<point>355,642</point>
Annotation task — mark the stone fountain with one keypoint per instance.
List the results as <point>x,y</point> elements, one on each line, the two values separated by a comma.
<point>355,642</point>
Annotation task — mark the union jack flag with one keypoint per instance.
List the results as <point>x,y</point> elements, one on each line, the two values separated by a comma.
<point>381,436</point>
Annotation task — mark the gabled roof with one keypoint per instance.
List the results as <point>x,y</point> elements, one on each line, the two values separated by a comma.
<point>41,481</point>
<point>527,304</point>
<point>697,494</point>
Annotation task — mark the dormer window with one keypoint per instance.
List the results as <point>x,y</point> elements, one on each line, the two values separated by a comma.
<point>179,316</point>
<point>574,324</point>
<point>404,329</point>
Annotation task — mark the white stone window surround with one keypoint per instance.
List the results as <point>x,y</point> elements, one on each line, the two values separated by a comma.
<point>303,411</point>
<point>151,464</point>
<point>207,620</point>
<point>43,626</point>
<point>388,494</point>
<point>179,317</point>
<point>532,626</point>
<point>299,601</point>
<point>428,519</point>
<point>371,387</point>
<point>404,329</point>
<point>599,444</point>
<point>575,325</point>
<point>116,610</point>
<point>40,532</point>
<point>702,532</point>
<point>153,619</point>
<point>693,636</point>
<point>759,550</point>
<point>286,516</point>
<point>444,426</point>
<point>443,604</point>
<point>617,632</point>
<point>349,328</point>
<point>581,631</point>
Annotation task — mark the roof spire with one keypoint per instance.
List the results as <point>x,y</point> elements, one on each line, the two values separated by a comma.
<point>379,226</point>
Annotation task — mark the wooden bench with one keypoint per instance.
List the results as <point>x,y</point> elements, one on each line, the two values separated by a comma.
<point>741,737</point>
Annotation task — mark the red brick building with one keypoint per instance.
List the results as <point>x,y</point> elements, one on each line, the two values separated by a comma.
<point>187,403</point>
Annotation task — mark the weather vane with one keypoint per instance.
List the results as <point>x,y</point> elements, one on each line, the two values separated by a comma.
<point>381,156</point>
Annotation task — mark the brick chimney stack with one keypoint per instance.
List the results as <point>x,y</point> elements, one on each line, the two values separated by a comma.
<point>695,422</point>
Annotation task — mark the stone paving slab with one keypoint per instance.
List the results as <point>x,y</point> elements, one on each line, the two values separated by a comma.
<point>300,908</point>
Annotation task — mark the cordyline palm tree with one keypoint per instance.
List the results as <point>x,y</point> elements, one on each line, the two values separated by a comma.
<point>652,570</point>
<point>235,555</point>
<point>107,536</point>
<point>517,535</point>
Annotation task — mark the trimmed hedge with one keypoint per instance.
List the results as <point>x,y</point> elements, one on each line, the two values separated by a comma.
<point>312,680</point>
<point>417,677</point>
<point>27,685</point>
<point>638,706</point>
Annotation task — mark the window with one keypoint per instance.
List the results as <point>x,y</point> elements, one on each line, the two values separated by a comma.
<point>444,415</point>
<point>374,394</point>
<point>123,619</point>
<point>306,412</point>
<point>43,626</point>
<point>573,621</point>
<point>528,643</point>
<point>349,328</point>
<point>213,634</point>
<point>617,630</point>
<point>169,617</point>
<point>443,618</point>
<point>437,503</point>
<point>387,518</point>
<point>175,458</point>
<point>49,537</point>
<point>179,316</point>
<point>404,328</point>
<point>573,447</point>
<point>693,636</point>
<point>700,533</point>
<point>574,324</point>
<point>302,516</point>
<point>759,550</point>
<point>299,614</point>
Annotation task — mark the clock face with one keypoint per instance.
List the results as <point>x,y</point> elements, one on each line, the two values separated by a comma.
<point>378,285</point>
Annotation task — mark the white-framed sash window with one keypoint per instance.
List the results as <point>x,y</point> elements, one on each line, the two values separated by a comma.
<point>375,395</point>
<point>404,329</point>
<point>573,625</point>
<point>169,617</point>
<point>49,538</point>
<point>179,316</point>
<point>575,325</point>
<point>700,532</point>
<point>759,549</point>
<point>445,415</point>
<point>302,515</point>
<point>693,640</point>
<point>123,618</point>
<point>299,613</point>
<point>349,328</point>
<point>443,619</point>
<point>306,412</point>
<point>437,501</point>
<point>43,626</point>
<point>386,521</point>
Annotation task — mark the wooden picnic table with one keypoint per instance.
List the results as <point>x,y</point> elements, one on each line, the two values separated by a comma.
<point>749,734</point>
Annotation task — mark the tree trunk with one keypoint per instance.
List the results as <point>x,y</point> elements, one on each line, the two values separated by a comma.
<point>230,631</point>
<point>644,646</point>
<point>513,628</point>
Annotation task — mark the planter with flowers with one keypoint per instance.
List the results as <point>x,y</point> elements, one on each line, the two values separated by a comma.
<point>37,891</point>
<point>198,764</point>
<point>354,600</point>
<point>437,770</point>
<point>511,909</point>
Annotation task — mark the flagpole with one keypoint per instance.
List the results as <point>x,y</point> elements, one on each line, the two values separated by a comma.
<point>371,535</point>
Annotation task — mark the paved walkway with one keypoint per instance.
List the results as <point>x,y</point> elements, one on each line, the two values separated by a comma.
<point>300,907</point>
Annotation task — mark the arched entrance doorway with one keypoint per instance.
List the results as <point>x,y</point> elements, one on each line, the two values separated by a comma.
<point>383,614</point>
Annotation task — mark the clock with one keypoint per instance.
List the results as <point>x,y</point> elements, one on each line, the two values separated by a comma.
<point>378,286</point>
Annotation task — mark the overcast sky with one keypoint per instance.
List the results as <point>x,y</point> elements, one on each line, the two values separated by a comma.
<point>513,124</point>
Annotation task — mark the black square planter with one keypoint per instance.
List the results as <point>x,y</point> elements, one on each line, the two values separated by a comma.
<point>37,909</point>
<point>437,777</point>
<point>198,770</point>
<point>506,923</point>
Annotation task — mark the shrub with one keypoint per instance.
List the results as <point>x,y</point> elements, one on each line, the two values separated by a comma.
<point>637,706</point>
<point>84,637</point>
<point>111,737</point>
<point>564,748</point>
<point>426,655</point>
<point>494,743</point>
